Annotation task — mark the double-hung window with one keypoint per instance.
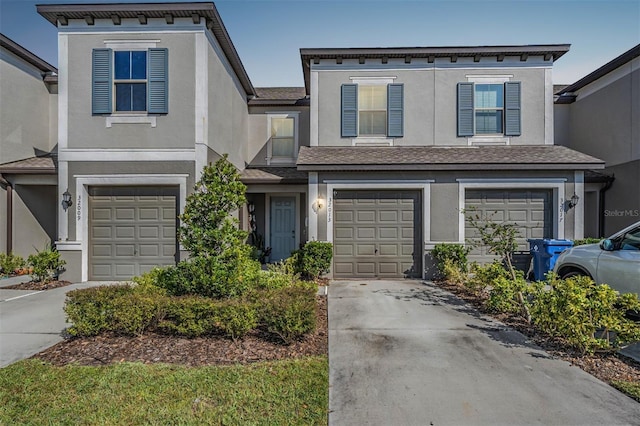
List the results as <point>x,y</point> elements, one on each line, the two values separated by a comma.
<point>134,81</point>
<point>372,110</point>
<point>283,139</point>
<point>489,109</point>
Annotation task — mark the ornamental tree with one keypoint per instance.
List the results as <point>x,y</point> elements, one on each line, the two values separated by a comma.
<point>207,228</point>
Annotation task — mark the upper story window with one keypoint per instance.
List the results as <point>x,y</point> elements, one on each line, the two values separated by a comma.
<point>134,81</point>
<point>489,109</point>
<point>283,138</point>
<point>130,80</point>
<point>372,110</point>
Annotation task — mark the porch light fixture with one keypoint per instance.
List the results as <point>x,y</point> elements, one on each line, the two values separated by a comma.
<point>66,200</point>
<point>319,203</point>
<point>573,201</point>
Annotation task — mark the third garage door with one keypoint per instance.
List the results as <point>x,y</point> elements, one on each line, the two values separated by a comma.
<point>530,210</point>
<point>377,234</point>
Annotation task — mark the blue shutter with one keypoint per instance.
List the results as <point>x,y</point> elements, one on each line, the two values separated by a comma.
<point>349,110</point>
<point>465,109</point>
<point>158,91</point>
<point>512,108</point>
<point>395,110</point>
<point>101,81</point>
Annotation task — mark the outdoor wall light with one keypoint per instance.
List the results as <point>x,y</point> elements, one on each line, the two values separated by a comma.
<point>573,201</point>
<point>66,200</point>
<point>319,203</point>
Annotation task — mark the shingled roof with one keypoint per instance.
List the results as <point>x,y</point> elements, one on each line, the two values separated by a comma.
<point>33,165</point>
<point>267,96</point>
<point>512,157</point>
<point>273,175</point>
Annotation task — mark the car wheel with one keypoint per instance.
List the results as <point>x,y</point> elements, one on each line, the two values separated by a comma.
<point>573,273</point>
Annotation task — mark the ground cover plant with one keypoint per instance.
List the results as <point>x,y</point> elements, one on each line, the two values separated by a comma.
<point>285,392</point>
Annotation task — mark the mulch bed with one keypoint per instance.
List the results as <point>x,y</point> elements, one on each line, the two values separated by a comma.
<point>605,366</point>
<point>36,285</point>
<point>215,350</point>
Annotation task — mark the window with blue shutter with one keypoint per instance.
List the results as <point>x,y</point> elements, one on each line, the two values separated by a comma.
<point>349,107</point>
<point>465,109</point>
<point>512,108</point>
<point>395,110</point>
<point>101,81</point>
<point>130,81</point>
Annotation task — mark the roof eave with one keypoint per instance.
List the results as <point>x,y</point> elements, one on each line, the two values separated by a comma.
<point>449,166</point>
<point>42,65</point>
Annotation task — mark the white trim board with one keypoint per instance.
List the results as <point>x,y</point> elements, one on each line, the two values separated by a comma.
<point>127,154</point>
<point>557,185</point>
<point>82,201</point>
<point>423,186</point>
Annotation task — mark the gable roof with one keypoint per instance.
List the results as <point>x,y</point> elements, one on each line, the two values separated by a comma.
<point>267,96</point>
<point>627,56</point>
<point>549,51</point>
<point>33,165</point>
<point>510,157</point>
<point>62,13</point>
<point>43,66</point>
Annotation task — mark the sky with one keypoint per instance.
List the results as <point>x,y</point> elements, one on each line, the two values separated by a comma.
<point>269,33</point>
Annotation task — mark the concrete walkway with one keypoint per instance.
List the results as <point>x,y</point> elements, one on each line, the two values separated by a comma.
<point>408,353</point>
<point>31,321</point>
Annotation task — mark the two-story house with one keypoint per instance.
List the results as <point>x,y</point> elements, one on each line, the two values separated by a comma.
<point>600,115</point>
<point>380,153</point>
<point>28,123</point>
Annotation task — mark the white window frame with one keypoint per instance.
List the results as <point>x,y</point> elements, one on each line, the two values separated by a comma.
<point>371,140</point>
<point>129,81</point>
<point>488,139</point>
<point>283,160</point>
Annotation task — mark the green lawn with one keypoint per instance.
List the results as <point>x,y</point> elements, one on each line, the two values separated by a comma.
<point>284,392</point>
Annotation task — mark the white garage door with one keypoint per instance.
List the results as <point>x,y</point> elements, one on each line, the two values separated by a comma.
<point>131,230</point>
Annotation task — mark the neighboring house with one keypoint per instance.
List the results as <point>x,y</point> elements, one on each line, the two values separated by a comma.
<point>600,115</point>
<point>28,122</point>
<point>379,153</point>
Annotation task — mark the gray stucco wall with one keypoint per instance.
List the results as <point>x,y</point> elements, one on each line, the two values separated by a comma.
<point>173,130</point>
<point>258,124</point>
<point>622,200</point>
<point>227,105</point>
<point>34,219</point>
<point>27,113</point>
<point>3,220</point>
<point>430,103</point>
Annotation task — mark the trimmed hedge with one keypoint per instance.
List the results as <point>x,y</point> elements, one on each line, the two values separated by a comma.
<point>313,259</point>
<point>290,312</point>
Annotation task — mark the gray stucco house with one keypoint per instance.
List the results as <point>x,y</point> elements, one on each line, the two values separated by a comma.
<point>379,153</point>
<point>600,115</point>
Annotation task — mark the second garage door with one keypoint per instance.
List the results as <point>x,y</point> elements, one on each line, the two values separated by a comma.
<point>131,230</point>
<point>377,234</point>
<point>530,210</point>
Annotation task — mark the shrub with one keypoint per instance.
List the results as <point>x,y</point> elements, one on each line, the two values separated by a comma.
<point>235,318</point>
<point>452,272</point>
<point>289,312</point>
<point>147,283</point>
<point>46,264</point>
<point>586,315</point>
<point>313,259</point>
<point>9,262</point>
<point>190,316</point>
<point>506,294</point>
<point>275,280</point>
<point>483,276</point>
<point>586,241</point>
<point>456,254</point>
<point>91,310</point>
<point>134,313</point>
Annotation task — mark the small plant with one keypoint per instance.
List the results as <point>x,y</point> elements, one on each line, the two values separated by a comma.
<point>260,252</point>
<point>455,253</point>
<point>313,259</point>
<point>452,272</point>
<point>289,312</point>
<point>483,275</point>
<point>10,263</point>
<point>46,264</point>
<point>506,295</point>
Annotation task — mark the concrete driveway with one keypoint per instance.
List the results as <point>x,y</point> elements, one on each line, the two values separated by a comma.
<point>409,353</point>
<point>31,321</point>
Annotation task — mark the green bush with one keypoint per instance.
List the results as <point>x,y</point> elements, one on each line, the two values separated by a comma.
<point>235,318</point>
<point>313,259</point>
<point>289,312</point>
<point>506,294</point>
<point>454,253</point>
<point>586,315</point>
<point>134,313</point>
<point>91,310</point>
<point>9,262</point>
<point>225,276</point>
<point>190,316</point>
<point>452,273</point>
<point>147,283</point>
<point>273,280</point>
<point>483,275</point>
<point>46,264</point>
<point>586,241</point>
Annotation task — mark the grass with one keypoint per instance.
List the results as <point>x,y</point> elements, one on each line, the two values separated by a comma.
<point>630,388</point>
<point>284,393</point>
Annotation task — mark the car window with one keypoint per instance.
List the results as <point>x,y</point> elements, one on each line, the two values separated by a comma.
<point>631,240</point>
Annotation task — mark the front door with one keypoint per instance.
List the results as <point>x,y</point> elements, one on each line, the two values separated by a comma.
<point>283,227</point>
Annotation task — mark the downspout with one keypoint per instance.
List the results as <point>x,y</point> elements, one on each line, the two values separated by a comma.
<point>9,188</point>
<point>604,189</point>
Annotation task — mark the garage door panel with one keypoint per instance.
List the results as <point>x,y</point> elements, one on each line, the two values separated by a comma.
<point>132,229</point>
<point>371,230</point>
<point>518,215</point>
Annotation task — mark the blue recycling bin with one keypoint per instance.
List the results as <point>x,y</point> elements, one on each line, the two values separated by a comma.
<point>545,253</point>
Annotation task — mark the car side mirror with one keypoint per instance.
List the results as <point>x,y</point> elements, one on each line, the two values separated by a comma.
<point>607,245</point>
